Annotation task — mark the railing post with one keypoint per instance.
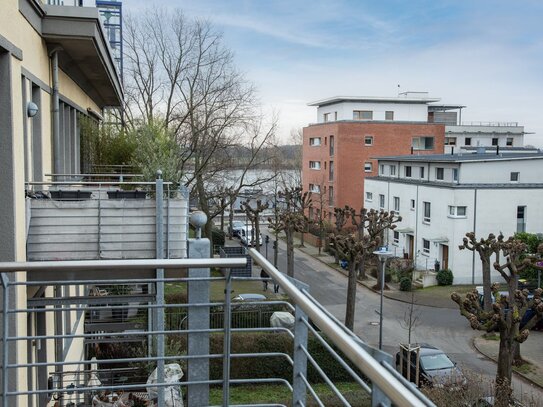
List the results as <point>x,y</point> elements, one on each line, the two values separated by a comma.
<point>159,199</point>
<point>5,350</point>
<point>198,317</point>
<point>299,370</point>
<point>227,340</point>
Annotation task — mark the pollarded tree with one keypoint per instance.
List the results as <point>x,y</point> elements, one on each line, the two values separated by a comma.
<point>340,215</point>
<point>507,311</point>
<point>253,214</point>
<point>485,248</point>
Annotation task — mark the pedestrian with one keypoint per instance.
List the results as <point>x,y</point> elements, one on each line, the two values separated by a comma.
<point>275,287</point>
<point>265,277</point>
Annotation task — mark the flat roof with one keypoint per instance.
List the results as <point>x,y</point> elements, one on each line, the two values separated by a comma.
<point>442,108</point>
<point>377,99</point>
<point>464,157</point>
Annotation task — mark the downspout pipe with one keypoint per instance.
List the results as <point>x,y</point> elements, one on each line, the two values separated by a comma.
<point>56,112</point>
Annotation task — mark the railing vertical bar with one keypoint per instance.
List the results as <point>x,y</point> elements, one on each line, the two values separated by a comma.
<point>312,391</point>
<point>160,284</point>
<point>226,341</point>
<point>5,353</point>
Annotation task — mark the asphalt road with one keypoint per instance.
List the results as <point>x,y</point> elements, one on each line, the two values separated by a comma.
<point>443,328</point>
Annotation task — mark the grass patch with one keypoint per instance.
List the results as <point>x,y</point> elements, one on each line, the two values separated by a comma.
<point>281,395</point>
<point>525,368</point>
<point>491,336</point>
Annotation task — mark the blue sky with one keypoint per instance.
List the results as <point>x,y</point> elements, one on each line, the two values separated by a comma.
<point>487,55</point>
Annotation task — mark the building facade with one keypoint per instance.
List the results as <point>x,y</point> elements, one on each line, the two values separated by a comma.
<point>55,69</point>
<point>339,150</point>
<point>442,197</point>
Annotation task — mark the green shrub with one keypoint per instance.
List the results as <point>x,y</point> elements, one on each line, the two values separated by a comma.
<point>405,284</point>
<point>444,277</point>
<point>218,237</point>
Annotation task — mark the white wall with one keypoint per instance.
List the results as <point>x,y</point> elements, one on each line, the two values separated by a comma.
<point>402,111</point>
<point>496,211</point>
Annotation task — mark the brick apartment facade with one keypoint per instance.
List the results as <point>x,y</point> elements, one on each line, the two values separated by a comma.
<point>346,154</point>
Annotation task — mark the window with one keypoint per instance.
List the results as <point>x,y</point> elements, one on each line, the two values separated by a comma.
<point>407,171</point>
<point>467,141</point>
<point>392,170</point>
<point>331,196</point>
<point>521,219</point>
<point>412,204</point>
<point>331,171</point>
<point>382,169</point>
<point>362,115</point>
<point>335,116</point>
<point>310,212</point>
<point>439,173</point>
<point>368,167</point>
<point>314,188</point>
<point>315,165</point>
<point>427,212</point>
<point>422,172</point>
<point>450,141</point>
<point>369,196</point>
<point>455,174</point>
<point>381,201</point>
<point>494,141</point>
<point>422,143</point>
<point>515,176</point>
<point>331,146</point>
<point>397,204</point>
<point>425,246</point>
<point>509,141</point>
<point>457,211</point>
<point>389,115</point>
<point>315,141</point>
<point>368,141</point>
<point>326,117</point>
<point>395,237</point>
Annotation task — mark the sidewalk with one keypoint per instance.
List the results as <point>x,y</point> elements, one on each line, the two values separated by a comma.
<point>440,297</point>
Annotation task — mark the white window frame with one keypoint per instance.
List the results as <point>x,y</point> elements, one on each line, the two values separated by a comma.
<point>381,201</point>
<point>392,170</point>
<point>382,169</point>
<point>426,219</point>
<point>395,237</point>
<point>425,251</point>
<point>326,117</point>
<point>438,171</point>
<point>315,141</point>
<point>315,189</point>
<point>421,172</point>
<point>419,143</point>
<point>389,113</point>
<point>410,171</point>
<point>370,139</point>
<point>358,114</point>
<point>455,174</point>
<point>454,212</point>
<point>412,205</point>
<point>369,196</point>
<point>509,141</point>
<point>315,165</point>
<point>396,201</point>
<point>514,174</point>
<point>368,166</point>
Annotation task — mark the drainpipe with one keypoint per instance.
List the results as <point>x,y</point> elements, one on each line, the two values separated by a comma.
<point>56,112</point>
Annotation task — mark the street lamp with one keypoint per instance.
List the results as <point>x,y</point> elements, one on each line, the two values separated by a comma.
<point>383,254</point>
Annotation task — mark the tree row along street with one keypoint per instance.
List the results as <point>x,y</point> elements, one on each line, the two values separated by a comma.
<point>444,328</point>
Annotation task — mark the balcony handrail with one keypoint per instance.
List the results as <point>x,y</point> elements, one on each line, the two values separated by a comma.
<point>490,124</point>
<point>93,183</point>
<point>394,388</point>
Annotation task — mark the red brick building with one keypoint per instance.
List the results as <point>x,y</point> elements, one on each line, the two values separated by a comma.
<point>340,150</point>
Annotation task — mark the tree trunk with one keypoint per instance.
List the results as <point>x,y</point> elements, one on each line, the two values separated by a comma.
<point>517,358</point>
<point>487,293</point>
<point>351,297</point>
<point>362,269</point>
<point>504,373</point>
<point>231,221</point>
<point>302,239</point>
<point>290,251</point>
<point>256,241</point>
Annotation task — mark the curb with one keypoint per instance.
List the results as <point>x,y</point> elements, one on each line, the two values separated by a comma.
<point>522,375</point>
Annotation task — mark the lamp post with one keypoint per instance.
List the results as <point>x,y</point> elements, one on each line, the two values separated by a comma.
<point>383,254</point>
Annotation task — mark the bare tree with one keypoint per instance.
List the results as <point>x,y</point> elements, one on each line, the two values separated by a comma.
<point>507,311</point>
<point>253,214</point>
<point>411,318</point>
<point>485,248</point>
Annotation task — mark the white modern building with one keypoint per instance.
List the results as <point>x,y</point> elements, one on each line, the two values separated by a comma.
<point>442,197</point>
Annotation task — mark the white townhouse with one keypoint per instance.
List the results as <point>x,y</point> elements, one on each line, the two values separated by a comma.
<point>442,197</point>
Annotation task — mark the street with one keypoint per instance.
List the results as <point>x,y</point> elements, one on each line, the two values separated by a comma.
<point>441,327</point>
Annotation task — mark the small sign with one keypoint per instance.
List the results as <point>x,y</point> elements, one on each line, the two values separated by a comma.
<point>539,264</point>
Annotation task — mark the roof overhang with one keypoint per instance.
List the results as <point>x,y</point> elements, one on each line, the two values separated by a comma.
<point>405,230</point>
<point>85,55</point>
<point>373,99</point>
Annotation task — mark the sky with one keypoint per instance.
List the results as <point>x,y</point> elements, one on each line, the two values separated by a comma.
<point>484,54</point>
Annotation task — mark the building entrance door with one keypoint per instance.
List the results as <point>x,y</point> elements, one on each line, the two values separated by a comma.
<point>410,245</point>
<point>444,256</point>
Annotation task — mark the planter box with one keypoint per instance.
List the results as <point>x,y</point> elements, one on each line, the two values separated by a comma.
<point>70,195</point>
<point>126,194</point>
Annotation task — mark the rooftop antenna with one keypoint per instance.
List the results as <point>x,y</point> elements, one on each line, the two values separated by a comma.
<point>398,89</point>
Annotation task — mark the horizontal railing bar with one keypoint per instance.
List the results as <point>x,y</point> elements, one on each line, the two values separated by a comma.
<point>340,360</point>
<point>147,264</point>
<point>52,308</point>
<point>125,281</point>
<point>380,377</point>
<point>145,333</point>
<point>115,175</point>
<point>95,183</point>
<point>325,377</point>
<point>145,359</point>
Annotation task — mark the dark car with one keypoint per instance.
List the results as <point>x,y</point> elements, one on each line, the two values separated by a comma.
<point>435,367</point>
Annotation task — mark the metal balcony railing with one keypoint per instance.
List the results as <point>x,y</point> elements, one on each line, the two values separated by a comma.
<point>74,348</point>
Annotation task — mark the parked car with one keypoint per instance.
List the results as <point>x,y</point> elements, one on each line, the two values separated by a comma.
<point>236,228</point>
<point>435,367</point>
<point>249,297</point>
<point>247,237</point>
